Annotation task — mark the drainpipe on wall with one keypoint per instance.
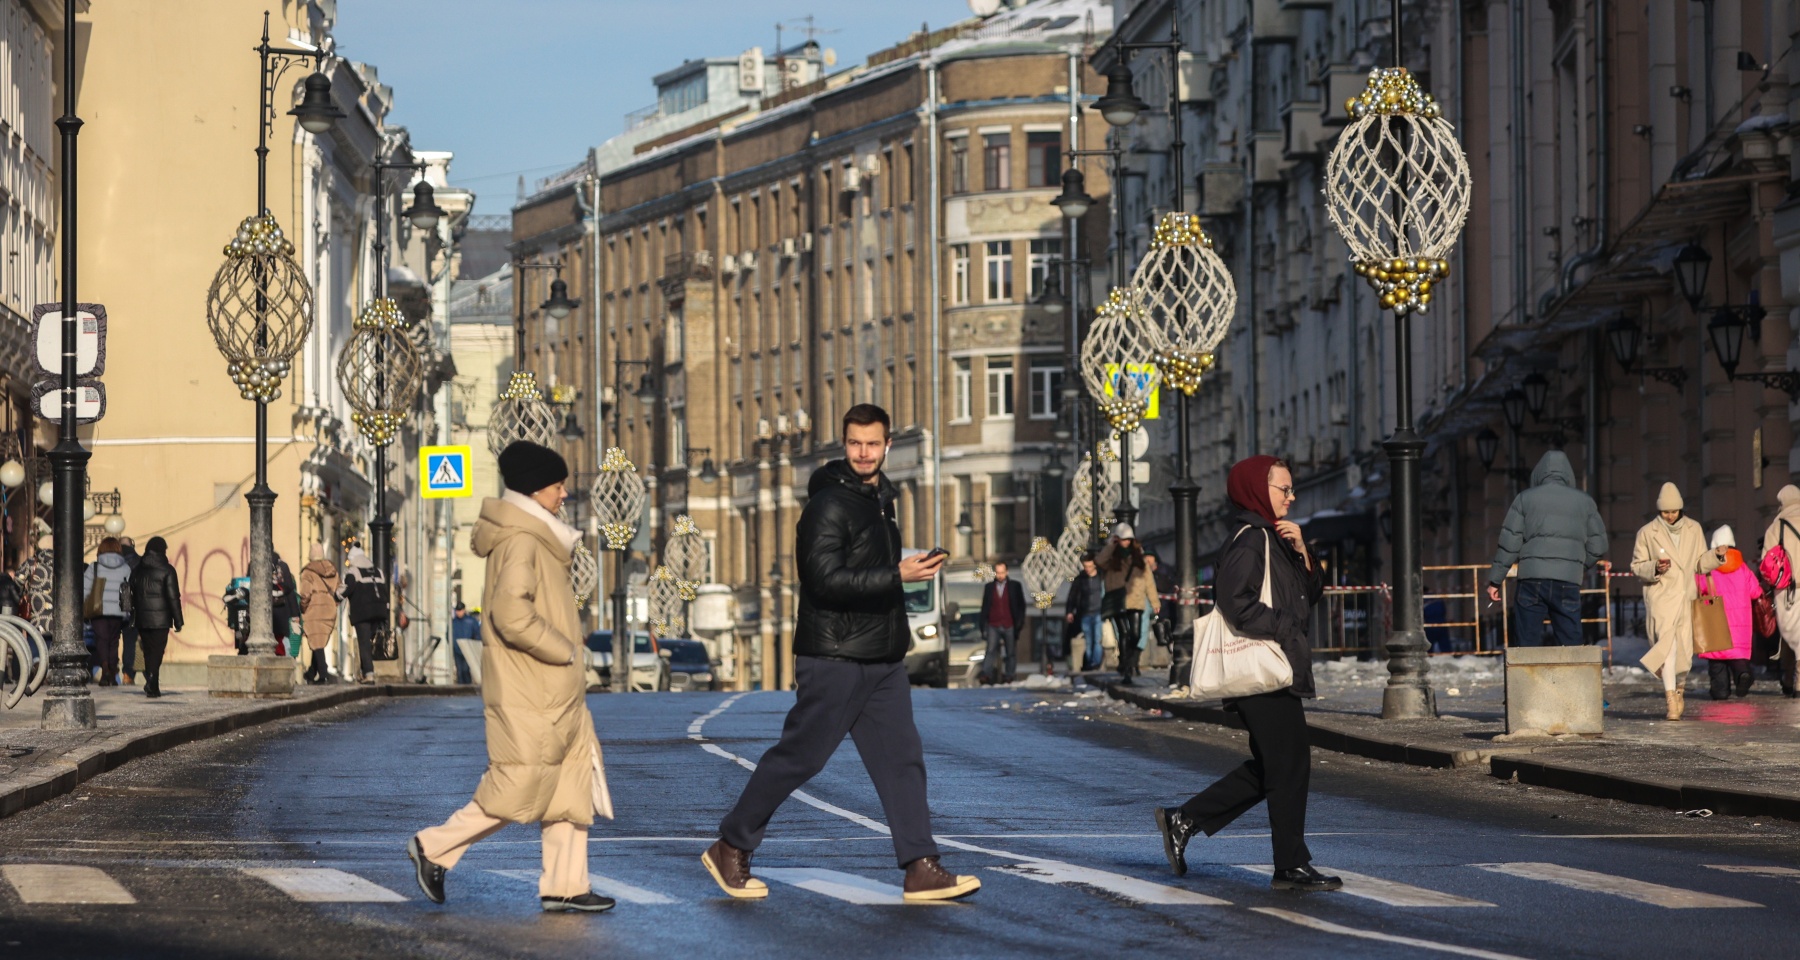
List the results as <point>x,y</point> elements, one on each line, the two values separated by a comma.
<point>935,248</point>
<point>1252,440</point>
<point>1521,240</point>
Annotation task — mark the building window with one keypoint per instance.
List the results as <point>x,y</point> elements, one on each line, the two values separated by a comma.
<point>1043,159</point>
<point>959,274</point>
<point>959,164</point>
<point>1046,389</point>
<point>996,157</point>
<point>999,271</point>
<point>1042,252</point>
<point>999,387</point>
<point>961,383</point>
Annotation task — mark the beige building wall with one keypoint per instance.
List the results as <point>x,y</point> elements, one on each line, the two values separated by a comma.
<point>481,339</point>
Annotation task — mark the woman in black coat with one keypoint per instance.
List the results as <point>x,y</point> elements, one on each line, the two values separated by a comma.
<point>365,591</point>
<point>1280,761</point>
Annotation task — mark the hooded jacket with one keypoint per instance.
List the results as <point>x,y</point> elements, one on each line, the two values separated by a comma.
<point>155,594</point>
<point>364,589</point>
<point>113,572</point>
<point>543,755</point>
<point>1553,531</point>
<point>847,549</point>
<point>318,602</point>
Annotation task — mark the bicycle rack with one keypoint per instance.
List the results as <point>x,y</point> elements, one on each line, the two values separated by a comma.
<point>22,643</point>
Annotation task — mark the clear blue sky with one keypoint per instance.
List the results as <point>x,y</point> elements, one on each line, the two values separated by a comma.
<point>526,86</point>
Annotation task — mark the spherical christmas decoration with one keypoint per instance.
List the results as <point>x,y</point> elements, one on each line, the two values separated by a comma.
<point>1188,298</point>
<point>1118,359</point>
<point>380,372</point>
<point>666,610</point>
<point>684,553</point>
<point>521,414</point>
<point>1397,188</point>
<point>259,309</point>
<point>584,573</point>
<point>1043,572</point>
<point>618,498</point>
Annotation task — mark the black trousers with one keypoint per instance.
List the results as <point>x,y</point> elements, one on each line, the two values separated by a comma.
<point>153,643</point>
<point>1722,673</point>
<point>1278,771</point>
<point>128,662</point>
<point>365,647</point>
<point>106,646</point>
<point>315,668</point>
<point>872,702</point>
<point>1127,630</point>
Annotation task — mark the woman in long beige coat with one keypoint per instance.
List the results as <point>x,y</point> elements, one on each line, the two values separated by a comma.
<point>1670,552</point>
<point>318,610</point>
<point>544,761</point>
<point>1784,530</point>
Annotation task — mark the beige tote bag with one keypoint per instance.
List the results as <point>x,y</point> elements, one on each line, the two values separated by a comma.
<point>1229,665</point>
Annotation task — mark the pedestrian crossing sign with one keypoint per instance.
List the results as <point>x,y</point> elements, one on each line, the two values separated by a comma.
<point>444,472</point>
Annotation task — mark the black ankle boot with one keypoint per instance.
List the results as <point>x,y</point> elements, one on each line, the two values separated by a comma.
<point>1176,831</point>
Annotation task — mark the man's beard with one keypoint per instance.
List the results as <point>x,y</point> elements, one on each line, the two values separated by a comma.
<point>871,474</point>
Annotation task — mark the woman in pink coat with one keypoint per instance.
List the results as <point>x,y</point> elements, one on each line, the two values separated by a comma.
<point>1737,584</point>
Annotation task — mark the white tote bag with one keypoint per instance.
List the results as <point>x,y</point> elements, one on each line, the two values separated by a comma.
<point>1229,665</point>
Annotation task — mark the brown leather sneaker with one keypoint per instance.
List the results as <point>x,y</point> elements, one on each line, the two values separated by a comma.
<point>926,880</point>
<point>731,867</point>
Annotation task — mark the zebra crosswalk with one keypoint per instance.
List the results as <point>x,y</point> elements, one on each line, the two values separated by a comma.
<point>50,883</point>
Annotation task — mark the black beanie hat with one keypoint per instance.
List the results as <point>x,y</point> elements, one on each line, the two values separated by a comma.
<point>157,545</point>
<point>528,468</point>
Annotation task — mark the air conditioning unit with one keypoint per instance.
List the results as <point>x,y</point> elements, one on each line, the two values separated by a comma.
<point>789,248</point>
<point>806,242</point>
<point>747,261</point>
<point>763,430</point>
<point>1340,414</point>
<point>729,266</point>
<point>871,165</point>
<point>802,422</point>
<point>781,424</point>
<point>702,258</point>
<point>852,180</point>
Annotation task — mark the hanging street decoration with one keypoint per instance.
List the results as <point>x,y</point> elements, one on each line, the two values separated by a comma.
<point>259,309</point>
<point>1043,572</point>
<point>618,498</point>
<point>1118,343</point>
<point>380,372</point>
<point>521,414</point>
<point>1188,299</point>
<point>584,573</point>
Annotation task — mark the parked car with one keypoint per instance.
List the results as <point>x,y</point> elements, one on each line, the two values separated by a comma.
<point>690,666</point>
<point>927,652</point>
<point>649,671</point>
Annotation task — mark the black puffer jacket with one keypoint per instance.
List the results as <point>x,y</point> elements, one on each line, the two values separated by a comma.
<point>847,549</point>
<point>1294,591</point>
<point>155,594</point>
<point>366,593</point>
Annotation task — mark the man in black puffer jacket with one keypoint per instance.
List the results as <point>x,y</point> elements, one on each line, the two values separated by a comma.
<point>850,641</point>
<point>156,606</point>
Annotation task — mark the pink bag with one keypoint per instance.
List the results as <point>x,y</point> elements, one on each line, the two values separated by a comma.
<point>1776,569</point>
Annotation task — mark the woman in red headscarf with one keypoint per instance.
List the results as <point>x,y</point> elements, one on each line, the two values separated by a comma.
<point>1280,763</point>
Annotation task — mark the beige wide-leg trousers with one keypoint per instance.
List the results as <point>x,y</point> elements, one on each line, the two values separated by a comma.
<point>565,848</point>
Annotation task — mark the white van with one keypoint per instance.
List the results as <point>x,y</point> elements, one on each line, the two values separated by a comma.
<point>928,647</point>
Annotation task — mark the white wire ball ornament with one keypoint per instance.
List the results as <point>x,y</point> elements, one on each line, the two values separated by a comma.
<point>259,309</point>
<point>685,555</point>
<point>666,603</point>
<point>380,371</point>
<point>584,573</point>
<point>1042,572</point>
<point>1071,545</point>
<point>520,414</point>
<point>1082,499</point>
<point>618,498</point>
<point>1188,298</point>
<point>1397,188</point>
<point>1117,359</point>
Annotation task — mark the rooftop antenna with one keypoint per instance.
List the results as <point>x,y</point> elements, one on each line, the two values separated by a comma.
<point>812,32</point>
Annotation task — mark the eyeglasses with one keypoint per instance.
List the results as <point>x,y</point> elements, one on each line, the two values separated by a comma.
<point>1287,492</point>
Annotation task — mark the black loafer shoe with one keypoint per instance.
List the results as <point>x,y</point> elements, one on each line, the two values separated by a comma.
<point>1176,831</point>
<point>431,876</point>
<point>589,902</point>
<point>1305,879</point>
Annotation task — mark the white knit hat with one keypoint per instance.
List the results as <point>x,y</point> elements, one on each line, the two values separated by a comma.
<point>1723,537</point>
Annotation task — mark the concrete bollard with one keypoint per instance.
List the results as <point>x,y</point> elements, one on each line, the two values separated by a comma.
<point>1556,690</point>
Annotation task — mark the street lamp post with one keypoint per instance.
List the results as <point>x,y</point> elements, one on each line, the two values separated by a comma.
<point>68,705</point>
<point>259,311</point>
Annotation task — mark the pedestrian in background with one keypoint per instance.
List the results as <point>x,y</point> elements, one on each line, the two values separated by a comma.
<point>101,586</point>
<point>318,611</point>
<point>156,606</point>
<point>463,627</point>
<point>1784,531</point>
<point>1083,609</point>
<point>1554,533</point>
<point>1280,764</point>
<point>1149,593</point>
<point>366,591</point>
<point>1002,614</point>
<point>1669,553</point>
<point>544,763</point>
<point>850,640</point>
<point>1122,560</point>
<point>129,635</point>
<point>284,603</point>
<point>1736,584</point>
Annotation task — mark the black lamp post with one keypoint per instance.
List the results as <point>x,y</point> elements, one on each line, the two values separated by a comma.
<point>1624,336</point>
<point>620,627</point>
<point>1074,200</point>
<point>1487,446</point>
<point>1537,388</point>
<point>1120,106</point>
<point>1730,322</point>
<point>709,471</point>
<point>1691,265</point>
<point>1512,405</point>
<point>965,525</point>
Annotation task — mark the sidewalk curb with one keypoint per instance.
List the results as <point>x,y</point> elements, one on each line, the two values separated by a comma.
<point>1505,765</point>
<point>78,766</point>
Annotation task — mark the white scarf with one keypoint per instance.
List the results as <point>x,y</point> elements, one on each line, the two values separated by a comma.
<point>561,531</point>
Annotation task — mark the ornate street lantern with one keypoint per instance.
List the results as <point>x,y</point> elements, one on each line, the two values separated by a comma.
<point>666,605</point>
<point>1188,299</point>
<point>380,372</point>
<point>684,553</point>
<point>1043,570</point>
<point>1117,360</point>
<point>584,573</point>
<point>618,498</point>
<point>259,309</point>
<point>1397,189</point>
<point>521,414</point>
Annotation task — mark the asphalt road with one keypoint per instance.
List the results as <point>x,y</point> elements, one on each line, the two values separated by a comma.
<point>287,841</point>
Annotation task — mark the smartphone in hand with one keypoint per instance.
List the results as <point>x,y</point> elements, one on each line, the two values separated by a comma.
<point>937,552</point>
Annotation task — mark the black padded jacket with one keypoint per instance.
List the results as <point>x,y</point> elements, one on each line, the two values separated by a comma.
<point>847,549</point>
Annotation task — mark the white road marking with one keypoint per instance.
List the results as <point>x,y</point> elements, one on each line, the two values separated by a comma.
<point>605,886</point>
<point>323,885</point>
<point>1654,894</point>
<point>1383,891</point>
<point>1760,871</point>
<point>58,883</point>
<point>844,886</point>
<point>699,723</point>
<point>1327,927</point>
<point>1130,888</point>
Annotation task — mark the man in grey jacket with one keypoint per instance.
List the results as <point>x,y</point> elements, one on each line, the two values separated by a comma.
<point>1554,533</point>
